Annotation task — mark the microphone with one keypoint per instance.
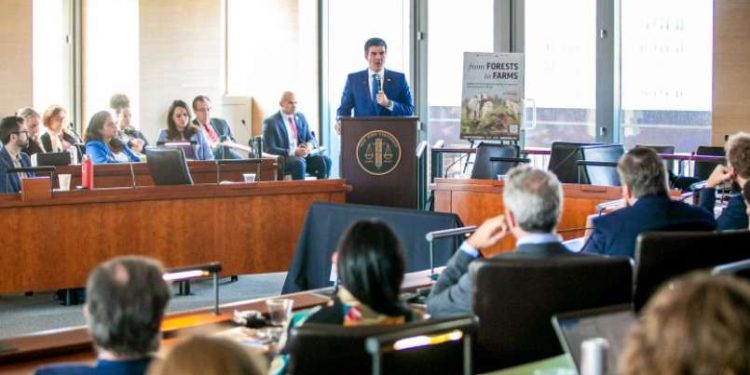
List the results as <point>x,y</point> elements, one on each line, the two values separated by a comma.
<point>379,82</point>
<point>132,176</point>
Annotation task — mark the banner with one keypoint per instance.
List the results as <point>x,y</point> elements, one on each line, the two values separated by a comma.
<point>492,96</point>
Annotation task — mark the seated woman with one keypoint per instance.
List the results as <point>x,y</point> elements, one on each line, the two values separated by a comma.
<point>179,129</point>
<point>100,132</point>
<point>206,355</point>
<point>57,138</point>
<point>127,133</point>
<point>698,325</point>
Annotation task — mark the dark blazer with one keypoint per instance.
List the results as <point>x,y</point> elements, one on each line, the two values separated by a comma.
<point>47,141</point>
<point>221,127</point>
<point>13,183</point>
<point>275,137</point>
<point>615,233</point>
<point>33,148</point>
<point>132,367</point>
<point>357,96</point>
<point>453,292</point>
<point>733,216</point>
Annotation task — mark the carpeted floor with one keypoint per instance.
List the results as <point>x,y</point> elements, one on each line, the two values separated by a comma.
<point>21,315</point>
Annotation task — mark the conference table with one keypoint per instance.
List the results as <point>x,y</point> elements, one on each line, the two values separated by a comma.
<point>54,243</point>
<point>477,200</point>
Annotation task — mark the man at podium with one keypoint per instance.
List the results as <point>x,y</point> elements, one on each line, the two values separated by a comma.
<point>376,91</point>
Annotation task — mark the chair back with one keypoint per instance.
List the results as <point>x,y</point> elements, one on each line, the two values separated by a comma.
<point>661,256</point>
<point>703,169</point>
<point>167,166</point>
<point>334,349</point>
<point>562,161</point>
<point>486,169</point>
<point>602,175</point>
<point>516,297</point>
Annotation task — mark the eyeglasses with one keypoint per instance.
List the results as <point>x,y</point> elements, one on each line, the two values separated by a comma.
<point>22,131</point>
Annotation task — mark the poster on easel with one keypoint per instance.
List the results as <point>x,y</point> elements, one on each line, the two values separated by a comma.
<point>492,96</point>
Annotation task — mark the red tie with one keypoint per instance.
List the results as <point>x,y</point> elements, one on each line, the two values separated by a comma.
<point>294,127</point>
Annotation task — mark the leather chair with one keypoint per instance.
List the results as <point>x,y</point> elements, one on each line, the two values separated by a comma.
<point>563,159</point>
<point>602,175</point>
<point>167,166</point>
<point>515,300</point>
<point>486,169</point>
<point>334,349</point>
<point>703,169</point>
<point>661,256</point>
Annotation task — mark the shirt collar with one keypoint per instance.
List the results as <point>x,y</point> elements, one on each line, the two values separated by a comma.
<point>370,72</point>
<point>13,154</point>
<point>538,238</point>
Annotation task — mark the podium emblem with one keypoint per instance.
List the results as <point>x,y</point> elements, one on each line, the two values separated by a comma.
<point>378,152</point>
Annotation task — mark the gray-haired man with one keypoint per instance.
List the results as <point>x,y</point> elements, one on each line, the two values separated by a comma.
<point>533,203</point>
<point>126,298</point>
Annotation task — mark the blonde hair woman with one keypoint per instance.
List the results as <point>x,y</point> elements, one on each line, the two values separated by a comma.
<point>205,355</point>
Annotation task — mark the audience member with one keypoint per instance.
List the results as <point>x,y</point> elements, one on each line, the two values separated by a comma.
<point>126,299</point>
<point>32,120</point>
<point>205,355</point>
<point>216,130</point>
<point>15,138</point>
<point>697,325</point>
<point>648,207</point>
<point>99,135</point>
<point>57,138</point>
<point>286,133</point>
<point>179,129</point>
<point>127,133</point>
<point>737,149</point>
<point>533,205</point>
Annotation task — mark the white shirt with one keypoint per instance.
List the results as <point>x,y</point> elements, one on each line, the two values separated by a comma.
<point>289,132</point>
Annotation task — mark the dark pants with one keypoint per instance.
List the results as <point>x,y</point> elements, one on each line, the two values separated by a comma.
<point>316,165</point>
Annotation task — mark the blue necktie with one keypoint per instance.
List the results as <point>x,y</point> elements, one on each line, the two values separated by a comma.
<point>375,93</point>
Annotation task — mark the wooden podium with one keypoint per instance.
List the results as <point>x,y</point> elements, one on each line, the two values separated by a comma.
<point>379,160</point>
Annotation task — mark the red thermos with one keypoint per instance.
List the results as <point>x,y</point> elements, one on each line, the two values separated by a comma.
<point>87,173</point>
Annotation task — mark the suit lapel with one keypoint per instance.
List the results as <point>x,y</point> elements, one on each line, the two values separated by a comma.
<point>282,128</point>
<point>12,177</point>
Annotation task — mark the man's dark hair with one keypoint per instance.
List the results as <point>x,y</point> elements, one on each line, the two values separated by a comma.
<point>96,124</point>
<point>375,42</point>
<point>200,98</point>
<point>8,126</point>
<point>126,298</point>
<point>643,172</point>
<point>371,266</point>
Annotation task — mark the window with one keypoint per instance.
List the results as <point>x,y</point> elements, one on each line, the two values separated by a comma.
<point>52,78</point>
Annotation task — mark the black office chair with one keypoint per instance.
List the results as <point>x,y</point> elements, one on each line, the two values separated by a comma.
<point>484,168</point>
<point>334,349</point>
<point>515,299</point>
<point>661,256</point>
<point>605,175</point>
<point>563,161</point>
<point>167,166</point>
<point>703,169</point>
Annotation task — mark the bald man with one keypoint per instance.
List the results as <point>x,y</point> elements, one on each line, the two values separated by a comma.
<point>286,133</point>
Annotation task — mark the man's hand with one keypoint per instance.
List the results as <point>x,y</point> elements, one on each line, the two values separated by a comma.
<point>489,233</point>
<point>301,150</point>
<point>720,175</point>
<point>382,99</point>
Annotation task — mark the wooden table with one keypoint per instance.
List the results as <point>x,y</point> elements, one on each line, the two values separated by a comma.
<point>249,228</point>
<point>203,172</point>
<point>477,200</point>
<point>74,344</point>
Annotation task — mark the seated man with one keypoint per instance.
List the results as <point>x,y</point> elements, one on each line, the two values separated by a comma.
<point>287,134</point>
<point>126,301</point>
<point>649,207</point>
<point>533,205</point>
<point>217,131</point>
<point>737,170</point>
<point>15,137</point>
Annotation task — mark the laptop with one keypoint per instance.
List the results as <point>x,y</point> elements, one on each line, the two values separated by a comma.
<point>612,323</point>
<point>739,269</point>
<point>52,159</point>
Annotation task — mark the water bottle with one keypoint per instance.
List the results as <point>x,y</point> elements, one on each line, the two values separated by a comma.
<point>73,151</point>
<point>87,173</point>
<point>594,357</point>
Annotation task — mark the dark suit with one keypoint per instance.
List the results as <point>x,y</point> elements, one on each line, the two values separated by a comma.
<point>276,142</point>
<point>10,183</point>
<point>615,233</point>
<point>733,216</point>
<point>453,292</point>
<point>224,131</point>
<point>358,96</point>
<point>33,148</point>
<point>131,367</point>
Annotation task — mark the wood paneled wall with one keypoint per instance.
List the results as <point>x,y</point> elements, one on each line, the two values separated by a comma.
<point>16,88</point>
<point>731,80</point>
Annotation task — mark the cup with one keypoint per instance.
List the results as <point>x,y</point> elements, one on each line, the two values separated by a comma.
<point>501,177</point>
<point>249,177</point>
<point>279,310</point>
<point>64,181</point>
